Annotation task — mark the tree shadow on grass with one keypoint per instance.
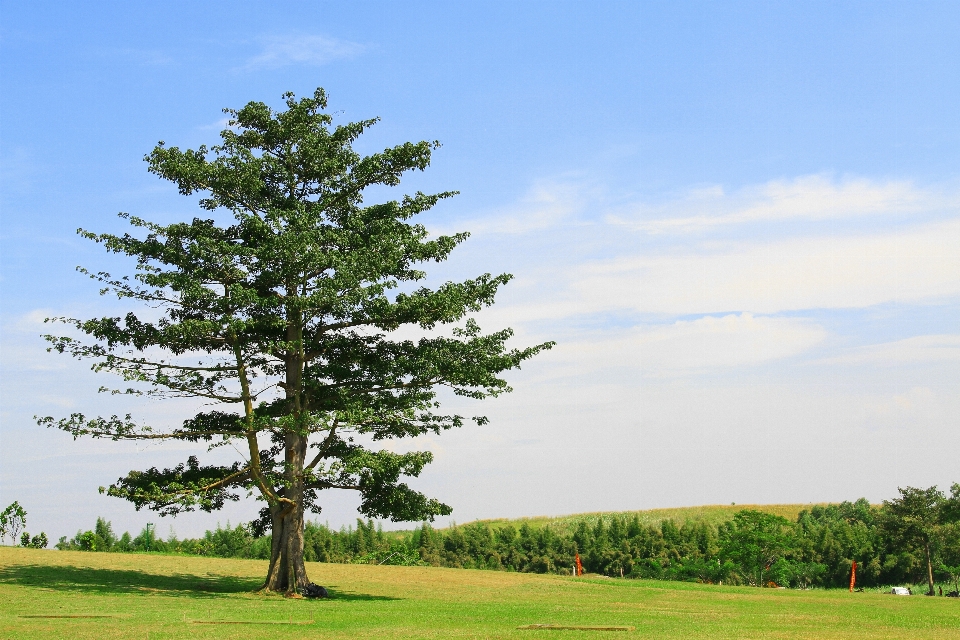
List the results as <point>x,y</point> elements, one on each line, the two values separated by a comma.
<point>104,581</point>
<point>114,581</point>
<point>337,594</point>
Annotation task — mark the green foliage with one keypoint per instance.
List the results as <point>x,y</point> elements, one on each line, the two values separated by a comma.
<point>37,542</point>
<point>87,541</point>
<point>12,520</point>
<point>912,518</point>
<point>147,540</point>
<point>950,508</point>
<point>104,535</point>
<point>754,542</point>
<point>913,523</point>
<point>398,554</point>
<point>947,544</point>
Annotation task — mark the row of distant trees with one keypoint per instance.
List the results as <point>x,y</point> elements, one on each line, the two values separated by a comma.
<point>914,539</point>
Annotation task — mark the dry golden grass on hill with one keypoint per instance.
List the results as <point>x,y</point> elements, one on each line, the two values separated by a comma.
<point>713,514</point>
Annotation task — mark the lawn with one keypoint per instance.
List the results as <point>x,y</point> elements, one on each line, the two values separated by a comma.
<point>164,596</point>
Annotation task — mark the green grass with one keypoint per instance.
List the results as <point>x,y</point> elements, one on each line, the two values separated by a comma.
<point>158,597</point>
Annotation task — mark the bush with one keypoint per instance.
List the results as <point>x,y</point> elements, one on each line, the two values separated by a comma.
<point>37,542</point>
<point>88,541</point>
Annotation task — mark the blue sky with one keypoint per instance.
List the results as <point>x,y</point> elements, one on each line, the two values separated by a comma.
<point>740,221</point>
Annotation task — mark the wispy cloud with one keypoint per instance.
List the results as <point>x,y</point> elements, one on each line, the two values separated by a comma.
<point>917,349</point>
<point>805,198</point>
<point>574,264</point>
<point>688,346</point>
<point>902,411</point>
<point>547,204</point>
<point>280,51</point>
<point>913,267</point>
<point>728,341</point>
<point>219,125</point>
<point>804,273</point>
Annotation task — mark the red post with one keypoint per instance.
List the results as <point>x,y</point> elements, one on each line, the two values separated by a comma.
<point>853,575</point>
<point>579,566</point>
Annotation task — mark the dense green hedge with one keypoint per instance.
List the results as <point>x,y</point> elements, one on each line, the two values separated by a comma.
<point>753,548</point>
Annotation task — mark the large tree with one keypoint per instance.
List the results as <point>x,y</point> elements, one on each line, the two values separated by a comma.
<point>754,541</point>
<point>288,307</point>
<point>914,519</point>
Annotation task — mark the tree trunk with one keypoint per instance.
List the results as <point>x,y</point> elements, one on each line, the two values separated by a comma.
<point>929,570</point>
<point>287,572</point>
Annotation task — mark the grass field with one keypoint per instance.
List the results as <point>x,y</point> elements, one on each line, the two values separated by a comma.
<point>164,596</point>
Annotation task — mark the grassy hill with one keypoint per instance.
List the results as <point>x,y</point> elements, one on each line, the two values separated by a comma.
<point>51,594</point>
<point>714,514</point>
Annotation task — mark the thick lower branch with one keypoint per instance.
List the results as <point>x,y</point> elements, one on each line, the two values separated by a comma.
<point>251,433</point>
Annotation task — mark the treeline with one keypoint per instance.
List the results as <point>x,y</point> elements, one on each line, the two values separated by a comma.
<point>890,544</point>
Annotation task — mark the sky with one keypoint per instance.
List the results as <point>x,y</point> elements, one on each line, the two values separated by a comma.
<point>739,221</point>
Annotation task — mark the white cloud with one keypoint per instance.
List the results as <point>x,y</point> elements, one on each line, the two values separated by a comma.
<point>812,198</point>
<point>803,273</point>
<point>902,410</point>
<point>913,266</point>
<point>929,348</point>
<point>727,341</point>
<point>686,346</point>
<point>219,125</point>
<point>34,319</point>
<point>546,204</point>
<point>279,51</point>
<point>913,257</point>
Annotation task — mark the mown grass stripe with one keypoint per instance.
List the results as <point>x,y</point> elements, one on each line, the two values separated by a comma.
<point>297,622</point>
<point>580,627</point>
<point>69,615</point>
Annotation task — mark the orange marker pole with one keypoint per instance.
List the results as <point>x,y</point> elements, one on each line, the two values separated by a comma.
<point>853,575</point>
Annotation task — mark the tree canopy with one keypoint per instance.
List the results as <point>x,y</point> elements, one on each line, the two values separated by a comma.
<point>755,541</point>
<point>12,520</point>
<point>916,519</point>
<point>286,313</point>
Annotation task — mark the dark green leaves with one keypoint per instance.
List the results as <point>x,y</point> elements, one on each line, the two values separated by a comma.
<point>183,488</point>
<point>916,513</point>
<point>114,427</point>
<point>385,497</point>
